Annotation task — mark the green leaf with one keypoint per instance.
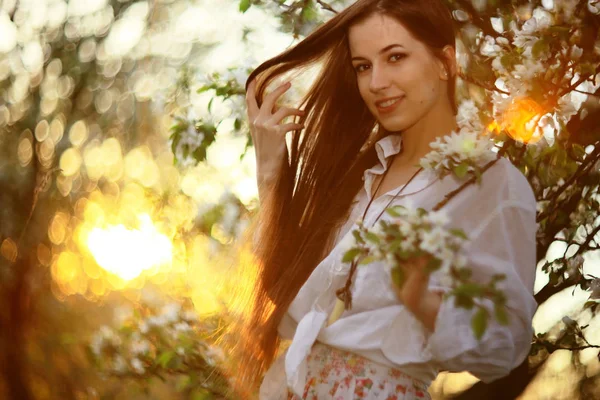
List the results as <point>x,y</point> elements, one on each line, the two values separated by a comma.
<point>462,301</point>
<point>479,323</point>
<point>371,237</point>
<point>367,260</point>
<point>477,172</point>
<point>244,5</point>
<point>433,265</point>
<point>183,382</point>
<point>392,212</point>
<point>465,273</point>
<point>164,358</point>
<point>199,154</point>
<point>397,276</point>
<point>350,255</point>
<point>357,236</point>
<point>579,152</point>
<point>458,232</point>
<point>470,289</point>
<point>461,170</point>
<point>501,315</point>
<point>395,245</point>
<point>541,46</point>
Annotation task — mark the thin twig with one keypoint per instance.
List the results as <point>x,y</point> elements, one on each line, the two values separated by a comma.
<point>589,161</point>
<point>593,157</point>
<point>471,180</point>
<point>587,241</point>
<point>588,93</point>
<point>326,6</point>
<point>469,79</point>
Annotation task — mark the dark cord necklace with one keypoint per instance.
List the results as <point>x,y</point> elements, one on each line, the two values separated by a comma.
<point>344,293</point>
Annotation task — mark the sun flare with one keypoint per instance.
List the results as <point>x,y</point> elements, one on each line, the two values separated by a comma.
<point>129,252</point>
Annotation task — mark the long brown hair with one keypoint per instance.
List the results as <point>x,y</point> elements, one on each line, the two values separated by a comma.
<point>299,219</point>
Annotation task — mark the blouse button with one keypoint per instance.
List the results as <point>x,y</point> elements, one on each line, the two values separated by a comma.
<point>338,268</point>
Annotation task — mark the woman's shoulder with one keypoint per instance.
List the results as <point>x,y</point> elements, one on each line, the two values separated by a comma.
<point>503,182</point>
<point>508,183</point>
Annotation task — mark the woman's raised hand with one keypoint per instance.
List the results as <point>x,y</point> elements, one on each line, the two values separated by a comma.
<point>268,133</point>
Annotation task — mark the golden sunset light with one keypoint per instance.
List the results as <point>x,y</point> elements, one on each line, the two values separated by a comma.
<point>129,252</point>
<point>520,119</point>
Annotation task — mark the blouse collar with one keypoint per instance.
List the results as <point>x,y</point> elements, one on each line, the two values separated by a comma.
<point>385,148</point>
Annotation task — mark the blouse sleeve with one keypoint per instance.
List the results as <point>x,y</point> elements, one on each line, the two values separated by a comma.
<point>504,242</point>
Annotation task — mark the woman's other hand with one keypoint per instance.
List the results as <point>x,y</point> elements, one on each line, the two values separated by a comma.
<point>415,295</point>
<point>268,131</point>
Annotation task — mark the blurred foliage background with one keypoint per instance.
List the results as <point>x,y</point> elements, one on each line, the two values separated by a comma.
<point>127,174</point>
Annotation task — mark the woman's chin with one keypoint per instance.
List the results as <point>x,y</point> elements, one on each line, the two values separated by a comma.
<point>393,124</point>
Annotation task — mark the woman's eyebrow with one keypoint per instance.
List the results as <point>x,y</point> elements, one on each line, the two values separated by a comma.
<point>386,48</point>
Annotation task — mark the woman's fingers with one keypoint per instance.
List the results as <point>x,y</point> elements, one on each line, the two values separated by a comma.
<point>272,97</point>
<point>290,127</point>
<point>285,112</point>
<point>251,100</point>
<point>267,118</point>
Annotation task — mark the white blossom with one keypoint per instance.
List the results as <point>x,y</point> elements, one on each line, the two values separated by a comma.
<point>489,47</point>
<point>497,65</point>
<point>170,312</point>
<point>119,364</point>
<point>140,346</point>
<point>565,108</point>
<point>467,117</point>
<point>239,75</point>
<point>143,327</point>
<point>445,280</point>
<point>570,323</point>
<point>432,241</point>
<point>213,355</point>
<point>190,316</point>
<point>437,218</point>
<point>347,242</point>
<point>137,366</point>
<point>105,337</point>
<point>457,147</point>
<point>528,70</point>
<point>460,261</point>
<point>182,327</point>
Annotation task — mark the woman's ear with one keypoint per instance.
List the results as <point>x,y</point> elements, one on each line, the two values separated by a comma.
<point>448,69</point>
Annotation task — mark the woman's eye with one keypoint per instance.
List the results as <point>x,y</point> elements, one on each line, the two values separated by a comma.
<point>360,67</point>
<point>397,56</point>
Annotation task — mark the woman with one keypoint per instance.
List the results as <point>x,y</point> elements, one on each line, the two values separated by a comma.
<point>384,93</point>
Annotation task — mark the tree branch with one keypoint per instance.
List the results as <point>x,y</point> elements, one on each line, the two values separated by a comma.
<point>589,161</point>
<point>470,79</point>
<point>326,6</point>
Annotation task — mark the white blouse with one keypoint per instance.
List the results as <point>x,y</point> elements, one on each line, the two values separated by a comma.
<point>499,218</point>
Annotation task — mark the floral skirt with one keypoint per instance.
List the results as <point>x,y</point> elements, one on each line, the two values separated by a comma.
<point>340,375</point>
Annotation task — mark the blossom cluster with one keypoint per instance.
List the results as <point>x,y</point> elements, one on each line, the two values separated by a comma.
<point>166,340</point>
<point>529,62</point>
<point>459,153</point>
<point>409,233</point>
<point>414,232</point>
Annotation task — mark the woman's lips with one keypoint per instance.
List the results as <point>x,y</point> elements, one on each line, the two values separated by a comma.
<point>391,104</point>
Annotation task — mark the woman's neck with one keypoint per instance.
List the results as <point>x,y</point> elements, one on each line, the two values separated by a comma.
<point>416,139</point>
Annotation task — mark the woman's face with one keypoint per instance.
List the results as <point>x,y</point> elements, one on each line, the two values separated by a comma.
<point>399,80</point>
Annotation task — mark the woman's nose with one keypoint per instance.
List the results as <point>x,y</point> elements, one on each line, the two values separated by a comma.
<point>379,79</point>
